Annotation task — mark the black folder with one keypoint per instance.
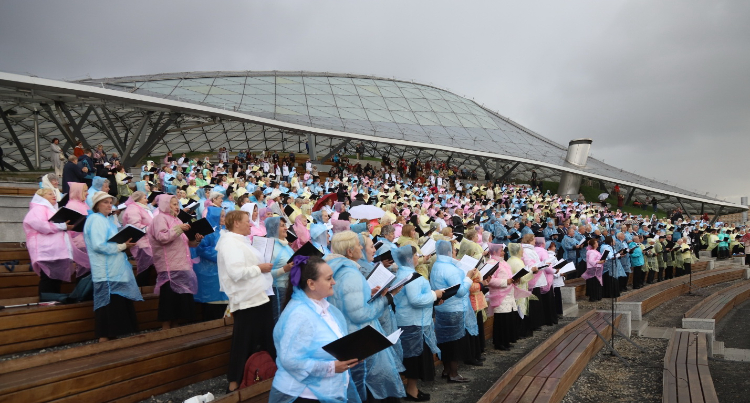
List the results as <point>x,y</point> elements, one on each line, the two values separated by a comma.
<point>308,249</point>
<point>290,235</point>
<point>605,254</point>
<point>514,236</point>
<point>64,200</point>
<point>521,273</point>
<point>560,265</point>
<point>78,226</point>
<point>361,344</point>
<point>128,232</point>
<point>64,215</point>
<point>185,217</point>
<point>199,227</point>
<point>383,256</point>
<point>449,292</point>
<point>648,248</point>
<point>378,244</point>
<point>153,196</point>
<point>288,210</point>
<point>491,272</point>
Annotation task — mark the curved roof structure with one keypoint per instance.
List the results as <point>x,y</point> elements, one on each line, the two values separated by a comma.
<point>281,110</point>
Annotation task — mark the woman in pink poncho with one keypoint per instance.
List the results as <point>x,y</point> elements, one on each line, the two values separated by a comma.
<point>176,282</point>
<point>547,297</point>
<point>594,269</point>
<point>503,296</point>
<point>139,215</point>
<point>77,201</point>
<point>48,243</point>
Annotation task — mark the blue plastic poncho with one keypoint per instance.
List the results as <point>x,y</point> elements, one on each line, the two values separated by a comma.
<point>318,237</point>
<point>207,270</point>
<point>299,337</point>
<point>452,317</point>
<point>358,227</point>
<point>111,272</point>
<point>636,258</point>
<point>365,266</point>
<point>380,372</point>
<point>625,259</point>
<point>414,307</point>
<point>96,186</point>
<point>281,254</point>
<point>318,216</point>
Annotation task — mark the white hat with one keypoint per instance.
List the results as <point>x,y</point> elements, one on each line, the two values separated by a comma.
<point>99,196</point>
<point>106,164</point>
<point>274,194</point>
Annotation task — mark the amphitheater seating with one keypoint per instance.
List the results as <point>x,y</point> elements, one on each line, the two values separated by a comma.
<point>37,327</point>
<point>257,393</point>
<point>648,298</point>
<point>546,374</point>
<point>686,378</point>
<point>125,370</point>
<point>17,191</point>
<point>716,306</point>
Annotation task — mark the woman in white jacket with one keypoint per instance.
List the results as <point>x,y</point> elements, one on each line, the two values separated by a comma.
<point>245,281</point>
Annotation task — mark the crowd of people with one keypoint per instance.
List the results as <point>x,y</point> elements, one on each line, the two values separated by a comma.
<point>290,306</point>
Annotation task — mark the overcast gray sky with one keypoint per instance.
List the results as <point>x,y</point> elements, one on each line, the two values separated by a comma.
<point>662,87</point>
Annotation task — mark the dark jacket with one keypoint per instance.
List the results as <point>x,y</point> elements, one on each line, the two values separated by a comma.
<point>72,173</point>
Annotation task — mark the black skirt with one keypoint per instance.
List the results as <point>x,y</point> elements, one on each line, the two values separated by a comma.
<point>504,329</point>
<point>536,311</point>
<point>456,350</point>
<point>593,289</point>
<point>252,332</point>
<point>548,307</point>
<point>558,301</point>
<point>476,343</point>
<point>174,306</point>
<point>116,318</point>
<point>611,288</point>
<point>420,367</point>
<point>213,311</point>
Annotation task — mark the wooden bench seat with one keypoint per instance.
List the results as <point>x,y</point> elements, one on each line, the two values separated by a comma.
<point>648,298</point>
<point>686,378</point>
<point>124,370</point>
<point>17,191</point>
<point>37,327</point>
<point>716,306</point>
<point>546,373</point>
<point>8,253</point>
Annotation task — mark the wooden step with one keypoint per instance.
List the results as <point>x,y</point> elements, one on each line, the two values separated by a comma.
<point>125,370</point>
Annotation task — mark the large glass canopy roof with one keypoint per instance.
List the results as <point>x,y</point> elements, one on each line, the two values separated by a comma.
<point>202,111</point>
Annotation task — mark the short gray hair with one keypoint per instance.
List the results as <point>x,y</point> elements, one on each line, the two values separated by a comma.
<point>387,230</point>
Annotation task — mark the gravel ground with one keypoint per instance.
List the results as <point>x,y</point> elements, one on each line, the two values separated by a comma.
<point>670,313</point>
<point>497,362</point>
<point>730,379</point>
<point>607,379</point>
<point>733,328</point>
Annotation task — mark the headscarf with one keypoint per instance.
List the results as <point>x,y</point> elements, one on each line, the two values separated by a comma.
<point>444,248</point>
<point>272,227</point>
<point>495,249</point>
<point>403,256</point>
<point>213,216</point>
<point>340,226</point>
<point>318,216</point>
<point>164,201</point>
<point>515,250</point>
<point>249,208</point>
<point>74,198</point>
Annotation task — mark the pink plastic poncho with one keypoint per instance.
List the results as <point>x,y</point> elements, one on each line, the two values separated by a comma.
<point>170,251</point>
<point>80,255</point>
<point>49,246</point>
<point>303,234</point>
<point>549,272</point>
<point>498,292</point>
<point>256,226</point>
<point>593,268</point>
<point>138,215</point>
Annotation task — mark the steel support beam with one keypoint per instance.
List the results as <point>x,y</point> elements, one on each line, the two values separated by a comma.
<point>683,208</point>
<point>334,150</point>
<point>156,135</point>
<point>76,125</point>
<point>716,216</point>
<point>703,208</point>
<point>113,137</point>
<point>63,130</point>
<point>507,173</point>
<point>311,147</point>
<point>630,195</point>
<point>15,140</point>
<point>126,155</point>
<point>37,157</point>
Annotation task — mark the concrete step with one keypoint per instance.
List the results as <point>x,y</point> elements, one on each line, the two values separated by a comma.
<point>718,347</point>
<point>570,310</point>
<point>638,327</point>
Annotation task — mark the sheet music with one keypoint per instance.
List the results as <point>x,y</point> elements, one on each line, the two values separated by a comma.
<point>487,267</point>
<point>380,277</point>
<point>393,337</point>
<point>567,268</point>
<point>467,263</point>
<point>429,247</point>
<point>582,241</point>
<point>265,247</point>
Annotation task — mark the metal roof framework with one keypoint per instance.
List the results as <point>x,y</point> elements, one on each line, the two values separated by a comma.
<point>190,112</point>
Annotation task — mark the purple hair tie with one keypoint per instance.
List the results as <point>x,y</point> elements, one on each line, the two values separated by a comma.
<point>296,271</point>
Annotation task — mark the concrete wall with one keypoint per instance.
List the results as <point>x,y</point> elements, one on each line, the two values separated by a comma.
<point>12,211</point>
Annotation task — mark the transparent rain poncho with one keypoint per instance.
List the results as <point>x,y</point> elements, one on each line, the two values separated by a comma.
<point>380,372</point>
<point>207,270</point>
<point>319,237</point>
<point>388,318</point>
<point>111,272</point>
<point>282,252</point>
<point>455,316</point>
<point>96,186</point>
<point>170,250</point>
<point>299,336</point>
<point>414,307</point>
